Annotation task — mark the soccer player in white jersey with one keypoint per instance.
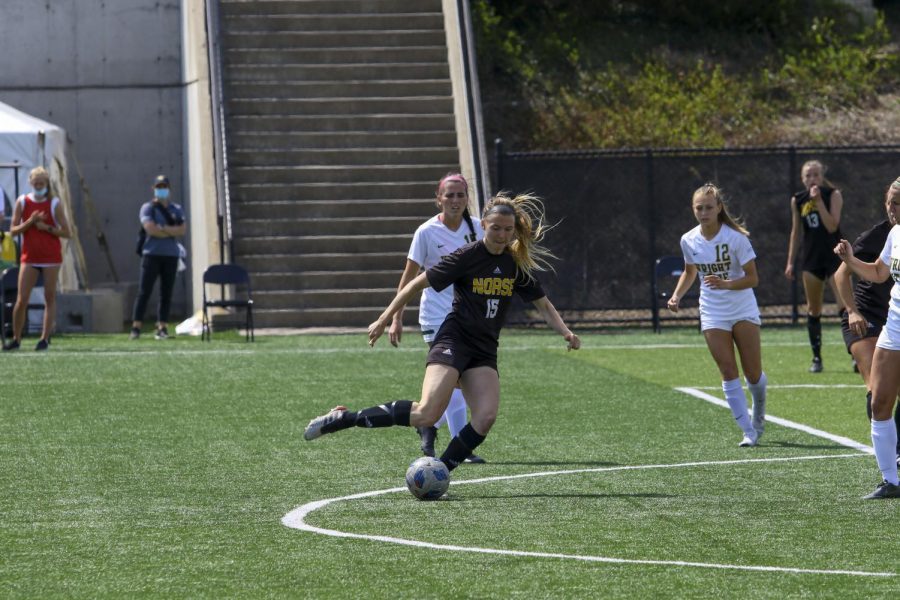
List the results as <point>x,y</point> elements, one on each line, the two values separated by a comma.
<point>884,377</point>
<point>437,237</point>
<point>719,249</point>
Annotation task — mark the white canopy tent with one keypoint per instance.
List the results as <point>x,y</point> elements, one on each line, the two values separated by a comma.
<point>31,142</point>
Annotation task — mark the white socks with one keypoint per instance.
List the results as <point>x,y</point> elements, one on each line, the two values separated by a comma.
<point>734,395</point>
<point>455,416</point>
<point>758,392</point>
<point>884,441</point>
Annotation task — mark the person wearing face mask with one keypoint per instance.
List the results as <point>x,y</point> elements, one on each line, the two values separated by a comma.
<point>39,219</point>
<point>163,222</point>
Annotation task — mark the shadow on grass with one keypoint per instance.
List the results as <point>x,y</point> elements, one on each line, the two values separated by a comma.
<point>553,463</point>
<point>805,446</point>
<point>518,496</point>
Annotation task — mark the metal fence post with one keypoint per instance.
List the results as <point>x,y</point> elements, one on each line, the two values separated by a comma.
<point>651,235</point>
<point>498,158</point>
<point>795,292</point>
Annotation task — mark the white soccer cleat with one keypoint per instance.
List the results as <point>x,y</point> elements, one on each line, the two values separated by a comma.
<point>749,440</point>
<point>314,429</point>
<point>759,418</point>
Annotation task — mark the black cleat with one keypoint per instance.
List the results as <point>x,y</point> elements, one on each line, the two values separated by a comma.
<point>884,490</point>
<point>816,366</point>
<point>42,346</point>
<point>13,345</point>
<point>429,437</point>
<point>314,429</point>
<point>475,459</point>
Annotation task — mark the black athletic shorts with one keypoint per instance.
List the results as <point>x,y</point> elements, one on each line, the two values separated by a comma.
<point>454,353</point>
<point>823,271</point>
<point>850,338</point>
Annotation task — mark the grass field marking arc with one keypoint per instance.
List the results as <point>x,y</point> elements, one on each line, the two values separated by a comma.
<point>295,519</point>
<point>838,439</point>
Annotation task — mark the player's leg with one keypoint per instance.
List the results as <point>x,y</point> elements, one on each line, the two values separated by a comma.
<point>436,389</point>
<point>814,287</point>
<point>51,274</point>
<point>721,346</point>
<point>885,383</point>
<point>481,386</point>
<point>747,339</point>
<point>28,277</point>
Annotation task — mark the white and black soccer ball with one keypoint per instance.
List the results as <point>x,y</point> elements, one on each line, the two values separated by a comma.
<point>427,478</point>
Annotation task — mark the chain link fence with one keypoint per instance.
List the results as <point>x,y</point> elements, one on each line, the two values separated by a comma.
<point>618,211</point>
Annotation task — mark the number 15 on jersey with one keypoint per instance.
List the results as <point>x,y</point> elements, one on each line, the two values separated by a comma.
<point>493,304</point>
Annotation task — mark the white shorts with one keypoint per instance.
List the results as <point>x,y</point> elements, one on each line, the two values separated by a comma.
<point>726,324</point>
<point>889,338</point>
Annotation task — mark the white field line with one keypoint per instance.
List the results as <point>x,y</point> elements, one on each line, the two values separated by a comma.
<point>843,441</point>
<point>791,385</point>
<point>295,519</point>
<point>163,348</point>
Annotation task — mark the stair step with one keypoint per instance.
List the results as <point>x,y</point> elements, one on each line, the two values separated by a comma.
<point>330,261</point>
<point>344,89</point>
<point>341,156</point>
<point>268,192</point>
<point>336,55</point>
<point>309,280</point>
<point>324,298</point>
<point>339,106</point>
<point>346,22</point>
<point>324,226</point>
<point>336,174</point>
<point>360,317</point>
<point>325,39</point>
<point>352,209</point>
<point>344,139</point>
<point>335,72</point>
<point>317,244</point>
<point>311,7</point>
<point>335,123</point>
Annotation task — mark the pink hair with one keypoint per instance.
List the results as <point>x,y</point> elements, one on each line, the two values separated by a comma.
<point>453,177</point>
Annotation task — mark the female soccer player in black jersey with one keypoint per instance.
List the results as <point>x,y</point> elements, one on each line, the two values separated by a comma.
<point>818,209</point>
<point>484,276</point>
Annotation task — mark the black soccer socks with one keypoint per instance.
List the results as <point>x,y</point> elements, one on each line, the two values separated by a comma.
<point>461,446</point>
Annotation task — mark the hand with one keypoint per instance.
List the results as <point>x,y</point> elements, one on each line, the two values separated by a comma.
<point>844,250</point>
<point>789,271</point>
<point>36,217</point>
<point>395,333</point>
<point>857,323</point>
<point>672,304</point>
<point>574,341</point>
<point>814,193</point>
<point>375,331</point>
<point>716,282</point>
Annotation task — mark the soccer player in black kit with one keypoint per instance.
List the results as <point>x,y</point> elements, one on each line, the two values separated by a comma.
<point>867,303</point>
<point>818,209</point>
<point>484,275</point>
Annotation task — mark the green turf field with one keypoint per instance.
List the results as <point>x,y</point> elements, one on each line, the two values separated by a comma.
<point>164,469</point>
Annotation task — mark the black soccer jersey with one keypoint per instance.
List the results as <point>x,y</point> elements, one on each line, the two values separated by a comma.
<point>871,298</point>
<point>483,286</point>
<point>818,244</point>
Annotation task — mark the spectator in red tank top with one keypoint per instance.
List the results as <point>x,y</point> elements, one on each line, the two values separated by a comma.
<point>39,219</point>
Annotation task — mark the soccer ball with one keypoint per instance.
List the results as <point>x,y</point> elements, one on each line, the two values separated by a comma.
<point>427,478</point>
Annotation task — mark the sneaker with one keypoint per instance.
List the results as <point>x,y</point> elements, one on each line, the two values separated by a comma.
<point>42,346</point>
<point>475,459</point>
<point>759,418</point>
<point>749,440</point>
<point>135,333</point>
<point>816,366</point>
<point>429,437</point>
<point>884,490</point>
<point>314,429</point>
<point>13,345</point>
<point>161,334</point>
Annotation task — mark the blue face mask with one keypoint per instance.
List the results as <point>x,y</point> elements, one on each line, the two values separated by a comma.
<point>161,193</point>
<point>39,192</point>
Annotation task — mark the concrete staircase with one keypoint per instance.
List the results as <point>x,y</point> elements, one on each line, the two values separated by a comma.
<point>339,121</point>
